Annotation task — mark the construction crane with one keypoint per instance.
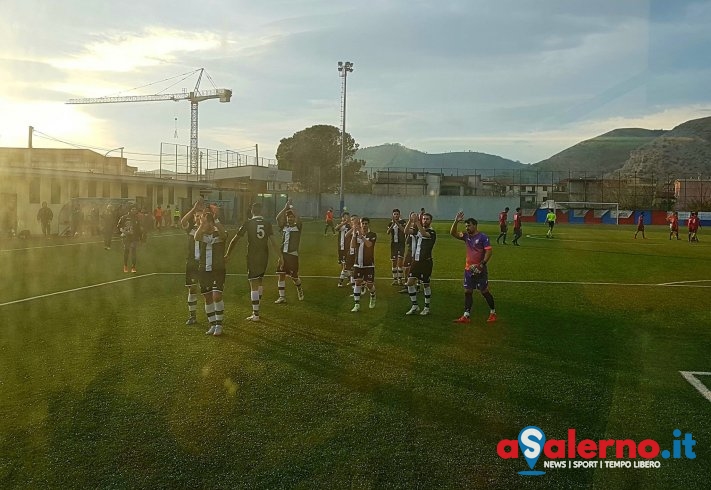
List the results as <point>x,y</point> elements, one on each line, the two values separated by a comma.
<point>195,97</point>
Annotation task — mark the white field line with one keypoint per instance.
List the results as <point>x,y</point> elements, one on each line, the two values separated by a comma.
<point>31,298</point>
<point>384,279</point>
<point>691,377</point>
<point>684,282</point>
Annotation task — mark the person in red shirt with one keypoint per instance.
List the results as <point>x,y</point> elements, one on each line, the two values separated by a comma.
<point>640,226</point>
<point>503,225</point>
<point>693,224</point>
<point>158,217</point>
<point>517,226</point>
<point>674,225</point>
<point>329,222</point>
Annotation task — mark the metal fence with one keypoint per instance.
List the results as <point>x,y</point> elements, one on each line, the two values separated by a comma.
<point>532,186</point>
<point>175,161</point>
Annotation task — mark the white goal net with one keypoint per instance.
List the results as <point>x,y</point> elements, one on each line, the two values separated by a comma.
<point>581,208</point>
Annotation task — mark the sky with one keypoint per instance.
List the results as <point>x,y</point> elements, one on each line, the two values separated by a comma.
<point>520,79</point>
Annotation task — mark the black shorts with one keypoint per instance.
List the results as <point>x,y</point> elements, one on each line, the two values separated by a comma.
<point>421,270</point>
<point>397,250</point>
<point>342,256</point>
<point>365,273</point>
<point>503,227</point>
<point>290,265</point>
<point>517,232</point>
<point>192,274</point>
<point>212,281</point>
<point>256,266</point>
<point>407,261</point>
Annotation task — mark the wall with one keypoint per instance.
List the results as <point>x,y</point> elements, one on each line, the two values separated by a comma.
<point>15,184</point>
<point>484,208</point>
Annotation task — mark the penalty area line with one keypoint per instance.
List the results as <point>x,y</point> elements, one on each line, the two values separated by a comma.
<point>691,377</point>
<point>73,290</point>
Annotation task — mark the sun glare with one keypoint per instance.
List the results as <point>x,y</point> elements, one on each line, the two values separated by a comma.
<point>57,120</point>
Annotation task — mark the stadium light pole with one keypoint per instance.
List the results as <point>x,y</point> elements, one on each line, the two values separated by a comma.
<point>343,69</point>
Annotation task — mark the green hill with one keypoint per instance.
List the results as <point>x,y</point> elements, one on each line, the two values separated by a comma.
<point>681,152</point>
<point>602,154</point>
<point>685,151</point>
<point>395,156</point>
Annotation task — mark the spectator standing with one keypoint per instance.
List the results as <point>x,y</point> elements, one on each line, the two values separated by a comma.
<point>176,217</point>
<point>76,221</point>
<point>45,217</point>
<point>131,232</point>
<point>158,218</point>
<point>109,222</point>
<point>167,216</point>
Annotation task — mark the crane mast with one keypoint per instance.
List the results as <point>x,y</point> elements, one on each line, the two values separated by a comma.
<point>195,97</point>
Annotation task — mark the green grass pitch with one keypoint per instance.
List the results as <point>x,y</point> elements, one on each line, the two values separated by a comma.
<point>102,385</point>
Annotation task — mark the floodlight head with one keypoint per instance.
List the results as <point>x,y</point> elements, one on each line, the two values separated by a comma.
<point>340,66</point>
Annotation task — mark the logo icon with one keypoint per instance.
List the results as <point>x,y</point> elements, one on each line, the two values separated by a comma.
<point>531,440</point>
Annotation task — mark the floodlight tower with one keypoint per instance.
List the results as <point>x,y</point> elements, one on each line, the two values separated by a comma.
<point>343,69</point>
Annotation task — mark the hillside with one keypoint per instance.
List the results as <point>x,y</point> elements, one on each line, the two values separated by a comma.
<point>602,154</point>
<point>683,151</point>
<point>394,156</point>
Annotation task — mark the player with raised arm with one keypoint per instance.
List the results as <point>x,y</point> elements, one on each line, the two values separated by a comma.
<point>423,241</point>
<point>290,223</point>
<point>350,253</point>
<point>210,237</point>
<point>396,230</point>
<point>363,244</point>
<point>259,238</point>
<point>407,260</point>
<point>476,273</point>
<point>343,246</point>
<point>190,223</point>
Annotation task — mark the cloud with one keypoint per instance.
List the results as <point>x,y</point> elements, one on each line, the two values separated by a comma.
<point>123,52</point>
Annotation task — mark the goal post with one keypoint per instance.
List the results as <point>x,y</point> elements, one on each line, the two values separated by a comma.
<point>598,208</point>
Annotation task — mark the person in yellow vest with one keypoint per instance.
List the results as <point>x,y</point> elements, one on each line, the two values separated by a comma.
<point>176,217</point>
<point>550,220</point>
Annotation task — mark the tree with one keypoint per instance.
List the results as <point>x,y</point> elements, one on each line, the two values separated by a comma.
<point>314,157</point>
